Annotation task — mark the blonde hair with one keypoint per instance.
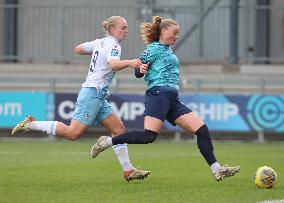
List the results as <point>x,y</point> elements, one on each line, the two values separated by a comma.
<point>110,22</point>
<point>150,32</point>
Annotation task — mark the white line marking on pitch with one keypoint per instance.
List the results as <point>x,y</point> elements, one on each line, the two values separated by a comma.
<point>272,201</point>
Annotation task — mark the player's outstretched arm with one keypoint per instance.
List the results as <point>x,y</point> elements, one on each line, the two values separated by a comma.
<point>117,65</point>
<point>80,50</point>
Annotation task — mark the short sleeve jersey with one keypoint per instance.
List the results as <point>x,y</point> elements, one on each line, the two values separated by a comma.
<point>104,50</point>
<point>163,66</point>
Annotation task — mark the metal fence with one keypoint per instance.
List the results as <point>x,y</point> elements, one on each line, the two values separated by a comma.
<point>48,33</point>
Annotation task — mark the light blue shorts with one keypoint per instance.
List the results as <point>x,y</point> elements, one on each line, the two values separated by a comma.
<point>91,106</point>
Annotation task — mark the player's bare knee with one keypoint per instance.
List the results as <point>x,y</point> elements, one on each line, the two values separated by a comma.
<point>118,130</point>
<point>73,135</point>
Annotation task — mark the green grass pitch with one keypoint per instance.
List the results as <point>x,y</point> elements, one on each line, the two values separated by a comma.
<point>62,171</point>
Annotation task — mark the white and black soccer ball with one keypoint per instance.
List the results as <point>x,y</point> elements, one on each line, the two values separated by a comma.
<point>265,177</point>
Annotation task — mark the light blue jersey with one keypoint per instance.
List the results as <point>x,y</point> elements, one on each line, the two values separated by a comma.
<point>164,66</point>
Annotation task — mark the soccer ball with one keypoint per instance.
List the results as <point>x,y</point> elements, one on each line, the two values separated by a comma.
<point>265,177</point>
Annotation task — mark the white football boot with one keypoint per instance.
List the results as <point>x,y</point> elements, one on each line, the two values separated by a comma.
<point>226,171</point>
<point>136,174</point>
<point>24,125</point>
<point>100,146</point>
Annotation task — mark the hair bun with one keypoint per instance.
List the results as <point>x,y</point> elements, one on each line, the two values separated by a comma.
<point>157,20</point>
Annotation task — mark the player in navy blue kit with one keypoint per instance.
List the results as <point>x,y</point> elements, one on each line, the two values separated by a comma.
<point>91,106</point>
<point>161,70</point>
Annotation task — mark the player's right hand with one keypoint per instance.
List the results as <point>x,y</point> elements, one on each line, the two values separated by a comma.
<point>135,63</point>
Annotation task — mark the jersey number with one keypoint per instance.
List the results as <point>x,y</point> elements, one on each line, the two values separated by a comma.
<point>94,60</point>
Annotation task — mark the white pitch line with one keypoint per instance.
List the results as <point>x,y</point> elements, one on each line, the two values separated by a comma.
<point>272,201</point>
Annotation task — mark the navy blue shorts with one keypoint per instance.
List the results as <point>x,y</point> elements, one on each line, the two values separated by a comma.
<point>163,103</point>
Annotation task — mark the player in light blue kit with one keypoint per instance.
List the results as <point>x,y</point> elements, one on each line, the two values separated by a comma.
<point>161,69</point>
<point>91,106</point>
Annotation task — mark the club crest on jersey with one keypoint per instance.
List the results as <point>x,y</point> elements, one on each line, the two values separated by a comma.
<point>114,52</point>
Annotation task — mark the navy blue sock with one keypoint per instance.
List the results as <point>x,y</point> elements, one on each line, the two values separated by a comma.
<point>205,144</point>
<point>135,137</point>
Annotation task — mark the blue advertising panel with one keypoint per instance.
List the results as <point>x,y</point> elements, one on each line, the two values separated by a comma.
<point>237,112</point>
<point>14,106</point>
<point>220,112</point>
<point>130,108</point>
<point>64,107</point>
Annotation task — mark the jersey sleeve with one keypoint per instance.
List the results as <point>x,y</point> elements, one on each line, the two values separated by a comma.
<point>150,54</point>
<point>88,46</point>
<point>114,53</point>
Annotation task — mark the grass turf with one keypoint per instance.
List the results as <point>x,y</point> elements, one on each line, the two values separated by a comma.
<point>62,171</point>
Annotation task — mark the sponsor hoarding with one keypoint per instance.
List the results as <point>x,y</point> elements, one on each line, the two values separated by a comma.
<point>14,106</point>
<point>221,112</point>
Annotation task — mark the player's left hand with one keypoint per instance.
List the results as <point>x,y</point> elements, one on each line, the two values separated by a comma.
<point>143,68</point>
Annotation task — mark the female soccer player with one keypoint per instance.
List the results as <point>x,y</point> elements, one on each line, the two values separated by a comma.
<point>161,69</point>
<point>91,106</point>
